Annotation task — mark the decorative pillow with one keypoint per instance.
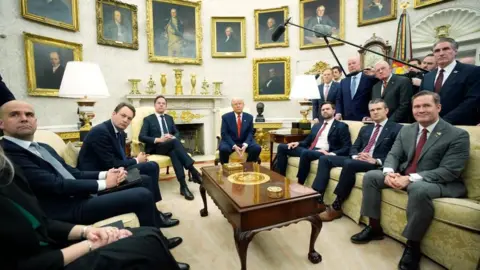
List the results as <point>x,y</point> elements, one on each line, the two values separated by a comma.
<point>70,155</point>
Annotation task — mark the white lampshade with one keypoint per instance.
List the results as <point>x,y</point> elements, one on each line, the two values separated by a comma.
<point>83,79</point>
<point>305,87</point>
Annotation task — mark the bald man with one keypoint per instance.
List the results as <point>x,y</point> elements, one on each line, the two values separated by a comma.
<point>237,134</point>
<point>395,90</point>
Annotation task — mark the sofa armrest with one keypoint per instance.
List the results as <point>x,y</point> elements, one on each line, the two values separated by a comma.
<point>137,147</point>
<point>129,220</point>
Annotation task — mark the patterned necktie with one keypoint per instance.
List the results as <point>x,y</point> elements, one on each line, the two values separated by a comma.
<point>412,168</point>
<point>439,81</point>
<point>373,139</point>
<point>51,160</point>
<point>239,125</point>
<point>120,146</point>
<point>384,87</point>
<point>314,143</point>
<point>326,91</point>
<point>353,85</point>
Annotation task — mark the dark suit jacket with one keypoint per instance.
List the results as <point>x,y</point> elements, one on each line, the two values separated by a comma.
<point>229,129</point>
<point>276,87</point>
<point>111,32</point>
<point>397,95</point>
<point>232,45</point>
<point>384,143</point>
<point>50,79</point>
<point>459,95</point>
<point>332,97</point>
<point>312,21</point>
<point>55,193</point>
<point>24,249</point>
<point>5,94</point>
<point>356,108</point>
<point>151,130</point>
<point>100,150</point>
<point>339,140</point>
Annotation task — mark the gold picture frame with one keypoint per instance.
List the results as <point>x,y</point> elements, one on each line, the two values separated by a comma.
<point>308,9</point>
<point>267,86</point>
<point>40,54</point>
<point>170,42</point>
<point>57,19</point>
<point>108,29</point>
<point>228,47</point>
<point>426,3</point>
<point>263,33</point>
<point>372,14</point>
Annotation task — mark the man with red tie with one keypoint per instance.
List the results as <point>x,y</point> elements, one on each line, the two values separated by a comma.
<point>367,153</point>
<point>426,160</point>
<point>330,137</point>
<point>237,134</point>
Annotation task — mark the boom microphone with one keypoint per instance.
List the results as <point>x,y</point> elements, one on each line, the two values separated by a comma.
<point>280,30</point>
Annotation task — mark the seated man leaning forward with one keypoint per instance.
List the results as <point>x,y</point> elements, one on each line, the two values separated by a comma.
<point>104,147</point>
<point>330,137</point>
<point>367,153</point>
<point>427,160</point>
<point>237,134</point>
<point>159,134</point>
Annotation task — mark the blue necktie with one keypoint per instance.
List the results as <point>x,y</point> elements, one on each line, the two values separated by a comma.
<point>164,126</point>
<point>120,146</point>
<point>353,85</point>
<point>52,160</point>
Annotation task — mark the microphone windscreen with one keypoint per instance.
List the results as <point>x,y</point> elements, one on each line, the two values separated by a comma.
<point>278,32</point>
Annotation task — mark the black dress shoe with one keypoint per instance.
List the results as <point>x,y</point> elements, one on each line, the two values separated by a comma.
<point>366,235</point>
<point>410,259</point>
<point>186,193</point>
<point>183,266</point>
<point>167,222</point>
<point>196,177</point>
<point>167,214</point>
<point>174,242</point>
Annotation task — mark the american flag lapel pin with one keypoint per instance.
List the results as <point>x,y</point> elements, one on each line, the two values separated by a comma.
<point>439,133</point>
<point>455,71</point>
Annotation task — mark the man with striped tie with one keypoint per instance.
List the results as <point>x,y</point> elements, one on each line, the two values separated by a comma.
<point>329,137</point>
<point>367,153</point>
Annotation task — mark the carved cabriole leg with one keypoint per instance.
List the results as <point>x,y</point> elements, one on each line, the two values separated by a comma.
<point>313,256</point>
<point>204,211</point>
<point>242,239</point>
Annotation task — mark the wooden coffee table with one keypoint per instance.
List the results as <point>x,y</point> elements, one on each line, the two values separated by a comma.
<point>249,209</point>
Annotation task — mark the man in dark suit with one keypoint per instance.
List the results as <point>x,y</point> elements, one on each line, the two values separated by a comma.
<point>273,85</point>
<point>237,134</point>
<point>319,19</point>
<point>427,160</point>
<point>367,153</point>
<point>161,137</point>
<point>104,147</point>
<point>354,94</point>
<point>230,43</point>
<point>395,90</point>
<point>52,76</point>
<point>457,84</point>
<point>117,29</point>
<point>328,92</point>
<point>5,93</point>
<point>330,137</point>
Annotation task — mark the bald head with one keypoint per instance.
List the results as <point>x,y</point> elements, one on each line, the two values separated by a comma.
<point>382,70</point>
<point>467,60</point>
<point>237,105</point>
<point>354,64</point>
<point>17,119</point>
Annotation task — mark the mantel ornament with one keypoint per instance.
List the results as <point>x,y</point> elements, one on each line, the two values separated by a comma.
<point>318,68</point>
<point>188,116</point>
<point>151,86</point>
<point>442,31</point>
<point>134,83</point>
<point>216,87</point>
<point>163,82</point>
<point>178,81</point>
<point>193,81</point>
<point>205,87</point>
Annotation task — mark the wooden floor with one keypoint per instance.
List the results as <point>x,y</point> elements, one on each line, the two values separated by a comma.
<point>208,241</point>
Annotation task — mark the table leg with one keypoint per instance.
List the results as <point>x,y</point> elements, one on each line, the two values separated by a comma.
<point>204,211</point>
<point>242,239</point>
<point>271,154</point>
<point>314,256</point>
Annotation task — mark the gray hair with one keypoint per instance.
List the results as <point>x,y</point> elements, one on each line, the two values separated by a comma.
<point>452,42</point>
<point>378,100</point>
<point>435,96</point>
<point>6,170</point>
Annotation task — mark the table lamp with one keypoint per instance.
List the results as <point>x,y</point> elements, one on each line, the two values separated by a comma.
<point>304,89</point>
<point>83,80</point>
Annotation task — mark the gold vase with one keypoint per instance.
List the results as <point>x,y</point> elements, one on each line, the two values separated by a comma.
<point>193,81</point>
<point>163,81</point>
<point>134,83</point>
<point>217,91</point>
<point>178,81</point>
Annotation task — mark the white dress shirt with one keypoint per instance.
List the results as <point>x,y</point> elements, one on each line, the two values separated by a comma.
<point>26,145</point>
<point>415,176</point>
<point>447,71</point>
<point>322,142</point>
<point>160,123</point>
<point>325,89</point>
<point>382,125</point>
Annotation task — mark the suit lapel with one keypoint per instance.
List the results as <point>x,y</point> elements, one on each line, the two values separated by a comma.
<point>431,81</point>
<point>383,134</point>
<point>156,122</point>
<point>16,149</point>
<point>113,135</point>
<point>322,95</point>
<point>390,85</point>
<point>433,138</point>
<point>244,123</point>
<point>334,124</point>
<point>452,77</point>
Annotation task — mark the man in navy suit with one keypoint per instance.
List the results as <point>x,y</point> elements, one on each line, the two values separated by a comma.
<point>457,84</point>
<point>328,92</point>
<point>104,147</point>
<point>330,137</point>
<point>367,153</point>
<point>354,94</point>
<point>161,137</point>
<point>237,134</point>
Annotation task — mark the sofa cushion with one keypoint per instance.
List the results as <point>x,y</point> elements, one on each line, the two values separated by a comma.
<point>70,154</point>
<point>471,174</point>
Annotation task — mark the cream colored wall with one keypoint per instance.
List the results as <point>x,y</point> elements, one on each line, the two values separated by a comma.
<point>118,65</point>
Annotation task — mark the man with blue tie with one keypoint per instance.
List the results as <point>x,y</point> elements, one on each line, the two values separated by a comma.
<point>367,153</point>
<point>237,134</point>
<point>160,136</point>
<point>328,92</point>
<point>457,84</point>
<point>355,92</point>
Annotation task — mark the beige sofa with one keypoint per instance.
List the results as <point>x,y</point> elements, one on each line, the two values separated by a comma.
<point>453,239</point>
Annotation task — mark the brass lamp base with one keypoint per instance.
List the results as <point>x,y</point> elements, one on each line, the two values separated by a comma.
<point>306,107</point>
<point>86,113</point>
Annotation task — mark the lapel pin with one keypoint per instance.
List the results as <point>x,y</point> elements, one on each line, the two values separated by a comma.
<point>455,71</point>
<point>439,133</point>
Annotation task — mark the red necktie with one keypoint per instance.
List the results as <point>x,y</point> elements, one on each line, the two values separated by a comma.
<point>318,135</point>
<point>326,92</point>
<point>412,168</point>
<point>384,87</point>
<point>372,140</point>
<point>439,81</point>
<point>239,125</point>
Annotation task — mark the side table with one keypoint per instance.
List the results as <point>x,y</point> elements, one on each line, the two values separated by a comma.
<point>283,136</point>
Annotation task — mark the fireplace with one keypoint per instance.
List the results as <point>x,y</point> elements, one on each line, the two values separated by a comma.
<point>192,138</point>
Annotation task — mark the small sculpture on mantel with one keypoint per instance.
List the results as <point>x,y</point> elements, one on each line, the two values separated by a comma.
<point>205,87</point>
<point>260,108</point>
<point>178,81</point>
<point>134,83</point>
<point>151,86</point>
<point>217,91</point>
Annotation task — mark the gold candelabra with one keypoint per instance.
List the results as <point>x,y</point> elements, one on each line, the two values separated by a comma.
<point>134,83</point>
<point>193,81</point>
<point>163,81</point>
<point>178,81</point>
